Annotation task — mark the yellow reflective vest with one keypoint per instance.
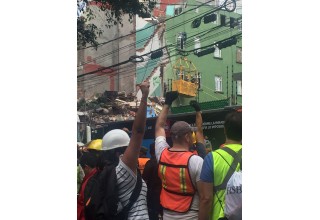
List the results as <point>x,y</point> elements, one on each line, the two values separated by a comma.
<point>220,169</point>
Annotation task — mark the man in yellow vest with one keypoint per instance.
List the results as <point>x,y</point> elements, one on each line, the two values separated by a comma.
<point>179,169</point>
<point>214,170</point>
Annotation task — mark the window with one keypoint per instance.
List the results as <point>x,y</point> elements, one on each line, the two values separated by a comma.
<point>233,22</point>
<point>239,55</point>
<point>180,43</point>
<point>217,52</point>
<point>178,11</point>
<point>209,18</point>
<point>197,44</point>
<point>240,25</point>
<point>239,87</point>
<point>217,20</point>
<point>181,40</point>
<point>218,83</point>
<point>222,20</point>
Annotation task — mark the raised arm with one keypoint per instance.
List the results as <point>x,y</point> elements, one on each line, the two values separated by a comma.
<point>161,120</point>
<point>131,154</point>
<point>199,133</point>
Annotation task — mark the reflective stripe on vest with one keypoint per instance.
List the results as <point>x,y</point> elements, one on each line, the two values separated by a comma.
<point>177,187</point>
<point>220,169</point>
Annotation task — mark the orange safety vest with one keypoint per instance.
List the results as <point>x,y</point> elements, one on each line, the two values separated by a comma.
<point>177,187</point>
<point>142,163</point>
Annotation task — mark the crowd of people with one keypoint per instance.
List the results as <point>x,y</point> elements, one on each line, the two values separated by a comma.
<point>116,180</point>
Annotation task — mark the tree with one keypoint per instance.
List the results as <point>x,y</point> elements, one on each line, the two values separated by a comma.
<point>114,10</point>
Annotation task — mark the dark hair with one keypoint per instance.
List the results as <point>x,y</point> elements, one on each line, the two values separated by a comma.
<point>233,126</point>
<point>96,153</point>
<point>88,159</point>
<point>111,156</point>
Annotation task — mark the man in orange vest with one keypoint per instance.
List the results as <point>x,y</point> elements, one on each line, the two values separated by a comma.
<point>179,169</point>
<point>142,160</point>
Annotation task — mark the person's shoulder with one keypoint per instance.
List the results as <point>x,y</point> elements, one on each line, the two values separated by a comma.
<point>196,158</point>
<point>208,156</point>
<point>123,168</point>
<point>160,141</point>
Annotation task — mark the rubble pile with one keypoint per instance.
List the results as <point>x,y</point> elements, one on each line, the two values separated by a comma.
<point>112,106</point>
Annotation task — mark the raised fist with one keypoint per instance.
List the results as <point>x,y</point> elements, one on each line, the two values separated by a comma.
<point>144,86</point>
<point>195,105</point>
<point>170,97</point>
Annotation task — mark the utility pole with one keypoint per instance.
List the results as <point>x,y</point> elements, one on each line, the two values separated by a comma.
<point>227,82</point>
<point>232,99</point>
<point>80,70</point>
<point>118,67</point>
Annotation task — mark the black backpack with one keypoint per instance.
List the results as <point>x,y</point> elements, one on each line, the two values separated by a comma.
<point>101,195</point>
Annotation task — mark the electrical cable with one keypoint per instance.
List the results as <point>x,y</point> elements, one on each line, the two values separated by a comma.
<point>177,25</point>
<point>120,77</point>
<point>176,54</point>
<point>214,28</point>
<point>118,64</point>
<point>149,26</point>
<point>168,57</point>
<point>171,28</point>
<point>123,71</point>
<point>114,51</point>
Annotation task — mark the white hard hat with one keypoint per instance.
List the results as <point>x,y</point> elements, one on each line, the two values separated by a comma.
<point>114,139</point>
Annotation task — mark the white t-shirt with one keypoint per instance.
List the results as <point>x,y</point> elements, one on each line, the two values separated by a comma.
<point>127,180</point>
<point>195,166</point>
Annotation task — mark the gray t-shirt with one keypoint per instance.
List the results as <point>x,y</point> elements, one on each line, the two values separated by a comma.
<point>195,165</point>
<point>126,182</point>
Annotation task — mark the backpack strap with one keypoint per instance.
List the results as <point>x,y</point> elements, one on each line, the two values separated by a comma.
<point>237,158</point>
<point>134,196</point>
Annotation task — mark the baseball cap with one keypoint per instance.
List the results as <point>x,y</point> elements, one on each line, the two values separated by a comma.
<point>180,128</point>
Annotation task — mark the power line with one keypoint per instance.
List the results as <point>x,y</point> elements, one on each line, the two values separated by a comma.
<point>123,70</point>
<point>188,43</point>
<point>173,49</point>
<point>176,26</point>
<point>118,64</point>
<point>153,35</point>
<point>171,28</point>
<point>126,46</point>
<point>149,26</point>
<point>237,35</point>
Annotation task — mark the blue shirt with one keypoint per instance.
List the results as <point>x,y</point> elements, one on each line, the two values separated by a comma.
<point>207,169</point>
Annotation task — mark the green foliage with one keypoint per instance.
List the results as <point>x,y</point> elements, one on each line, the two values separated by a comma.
<point>114,10</point>
<point>87,33</point>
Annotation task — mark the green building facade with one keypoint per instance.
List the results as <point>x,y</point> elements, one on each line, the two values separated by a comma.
<point>196,34</point>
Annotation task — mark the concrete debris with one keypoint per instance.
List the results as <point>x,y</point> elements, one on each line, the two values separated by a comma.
<point>112,106</point>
